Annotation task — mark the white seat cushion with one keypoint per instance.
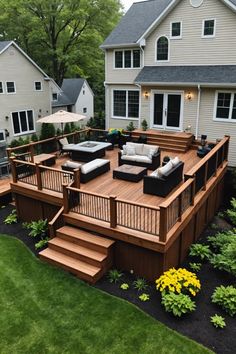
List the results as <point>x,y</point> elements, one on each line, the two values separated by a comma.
<point>92,165</point>
<point>72,164</point>
<point>143,159</point>
<point>128,158</point>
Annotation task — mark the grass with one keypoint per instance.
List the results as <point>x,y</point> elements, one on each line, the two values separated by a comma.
<point>45,310</point>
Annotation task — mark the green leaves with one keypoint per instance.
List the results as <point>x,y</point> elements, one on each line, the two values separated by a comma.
<point>218,321</point>
<point>11,218</point>
<point>201,251</point>
<point>178,304</point>
<point>226,298</point>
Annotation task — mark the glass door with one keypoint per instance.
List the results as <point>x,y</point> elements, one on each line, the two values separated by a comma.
<point>167,110</point>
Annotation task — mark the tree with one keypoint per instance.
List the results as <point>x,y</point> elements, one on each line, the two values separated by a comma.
<point>62,36</point>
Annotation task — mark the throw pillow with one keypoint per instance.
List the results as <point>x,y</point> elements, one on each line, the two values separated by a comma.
<point>175,161</point>
<point>124,150</point>
<point>130,151</point>
<point>165,169</point>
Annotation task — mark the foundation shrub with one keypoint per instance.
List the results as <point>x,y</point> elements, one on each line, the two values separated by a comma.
<point>200,251</point>
<point>178,304</point>
<point>225,296</point>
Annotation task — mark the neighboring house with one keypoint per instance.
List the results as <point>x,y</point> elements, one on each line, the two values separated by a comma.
<point>24,93</point>
<point>173,63</point>
<point>75,96</point>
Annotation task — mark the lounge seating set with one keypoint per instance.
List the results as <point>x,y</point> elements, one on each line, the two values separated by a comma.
<point>133,160</point>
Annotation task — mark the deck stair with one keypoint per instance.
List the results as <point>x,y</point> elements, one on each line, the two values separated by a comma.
<point>82,253</point>
<point>169,141</point>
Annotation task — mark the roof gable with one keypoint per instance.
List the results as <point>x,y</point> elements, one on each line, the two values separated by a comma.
<point>72,88</point>
<point>140,20</point>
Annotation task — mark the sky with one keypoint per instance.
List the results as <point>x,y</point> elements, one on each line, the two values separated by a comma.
<point>128,3</point>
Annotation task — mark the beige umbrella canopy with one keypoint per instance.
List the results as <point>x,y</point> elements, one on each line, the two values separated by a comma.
<point>61,117</point>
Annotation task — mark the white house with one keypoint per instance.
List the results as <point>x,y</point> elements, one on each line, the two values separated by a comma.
<point>76,96</point>
<point>25,93</point>
<point>173,63</point>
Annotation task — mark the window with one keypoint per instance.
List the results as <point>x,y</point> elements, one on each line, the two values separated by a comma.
<point>2,135</point>
<point>54,96</point>
<point>176,30</point>
<point>208,28</point>
<point>23,122</point>
<point>1,87</point>
<point>10,87</point>
<point>83,92</point>
<point>126,103</point>
<point>38,86</point>
<point>127,58</point>
<point>225,106</point>
<point>84,110</point>
<point>162,49</point>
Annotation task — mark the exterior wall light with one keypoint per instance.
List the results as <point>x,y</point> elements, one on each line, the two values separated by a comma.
<point>146,94</point>
<point>6,117</point>
<point>189,96</point>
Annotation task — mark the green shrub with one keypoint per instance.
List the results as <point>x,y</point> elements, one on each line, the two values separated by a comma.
<point>221,239</point>
<point>11,218</point>
<point>37,228</point>
<point>218,321</point>
<point>130,127</point>
<point>114,275</point>
<point>98,121</point>
<point>226,298</point>
<point>178,304</point>
<point>47,131</point>
<point>144,125</point>
<point>232,212</point>
<point>124,286</point>
<point>140,284</point>
<point>41,243</point>
<point>201,251</point>
<point>144,297</point>
<point>195,266</point>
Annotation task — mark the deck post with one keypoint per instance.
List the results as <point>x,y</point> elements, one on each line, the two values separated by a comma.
<point>13,169</point>
<point>65,198</point>
<point>113,211</point>
<point>77,178</point>
<point>205,175</point>
<point>31,150</point>
<point>38,176</point>
<point>216,164</point>
<point>163,224</point>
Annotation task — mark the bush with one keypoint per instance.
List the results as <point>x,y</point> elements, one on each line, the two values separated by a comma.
<point>114,275</point>
<point>178,304</point>
<point>130,127</point>
<point>47,131</point>
<point>140,284</point>
<point>218,321</point>
<point>226,298</point>
<point>232,212</point>
<point>124,286</point>
<point>201,251</point>
<point>195,266</point>
<point>37,228</point>
<point>144,125</point>
<point>97,122</point>
<point>144,297</point>
<point>11,218</point>
<point>221,239</point>
<point>178,281</point>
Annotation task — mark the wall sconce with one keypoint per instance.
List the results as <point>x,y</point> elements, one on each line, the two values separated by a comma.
<point>40,110</point>
<point>189,96</point>
<point>188,129</point>
<point>146,94</point>
<point>6,117</point>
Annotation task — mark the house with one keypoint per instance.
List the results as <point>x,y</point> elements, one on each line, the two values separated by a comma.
<point>172,62</point>
<point>24,93</point>
<point>75,96</point>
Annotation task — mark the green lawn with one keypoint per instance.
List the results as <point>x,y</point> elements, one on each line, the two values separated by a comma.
<point>44,310</point>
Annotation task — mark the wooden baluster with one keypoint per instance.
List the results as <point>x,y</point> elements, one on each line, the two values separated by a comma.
<point>193,190</point>
<point>77,178</point>
<point>38,176</point>
<point>205,175</point>
<point>163,224</point>
<point>216,164</point>
<point>113,211</point>
<point>180,202</point>
<point>13,169</point>
<point>31,150</point>
<point>65,198</point>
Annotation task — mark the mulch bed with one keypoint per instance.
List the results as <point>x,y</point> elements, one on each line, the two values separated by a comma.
<point>196,325</point>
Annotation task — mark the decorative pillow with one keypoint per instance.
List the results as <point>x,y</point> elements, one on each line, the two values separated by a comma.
<point>149,148</point>
<point>175,161</point>
<point>124,150</point>
<point>130,151</point>
<point>64,141</point>
<point>151,153</point>
<point>163,171</point>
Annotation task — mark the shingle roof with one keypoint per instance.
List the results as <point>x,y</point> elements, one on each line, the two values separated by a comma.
<point>203,74</point>
<point>62,101</point>
<point>71,89</point>
<point>4,44</point>
<point>138,20</point>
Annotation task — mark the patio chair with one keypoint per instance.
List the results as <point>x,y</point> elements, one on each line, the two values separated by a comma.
<point>4,163</point>
<point>65,146</point>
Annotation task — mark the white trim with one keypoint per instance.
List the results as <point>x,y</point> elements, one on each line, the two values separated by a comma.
<point>10,93</point>
<point>165,106</point>
<point>123,59</point>
<point>54,93</point>
<point>126,103</point>
<point>28,131</point>
<point>181,27</point>
<point>40,84</point>
<point>185,84</point>
<point>3,91</point>
<point>203,27</point>
<point>226,120</point>
<point>162,61</point>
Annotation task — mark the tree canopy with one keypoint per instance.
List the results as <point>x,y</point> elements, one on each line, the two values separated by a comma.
<point>62,36</point>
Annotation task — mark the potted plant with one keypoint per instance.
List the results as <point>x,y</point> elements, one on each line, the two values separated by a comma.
<point>144,125</point>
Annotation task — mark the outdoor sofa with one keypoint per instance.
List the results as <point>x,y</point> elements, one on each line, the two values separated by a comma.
<point>143,155</point>
<point>163,180</point>
<point>88,171</point>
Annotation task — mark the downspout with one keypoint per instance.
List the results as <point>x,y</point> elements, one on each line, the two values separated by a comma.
<point>198,111</point>
<point>107,123</point>
<point>140,104</point>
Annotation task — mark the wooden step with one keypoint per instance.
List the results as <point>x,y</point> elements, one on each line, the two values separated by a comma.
<point>85,239</point>
<point>71,249</point>
<point>81,269</point>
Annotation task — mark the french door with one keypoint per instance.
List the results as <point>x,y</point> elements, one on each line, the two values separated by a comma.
<point>167,108</point>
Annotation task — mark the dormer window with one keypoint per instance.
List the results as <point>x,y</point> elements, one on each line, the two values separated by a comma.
<point>208,28</point>
<point>54,96</point>
<point>38,86</point>
<point>127,59</point>
<point>176,30</point>
<point>162,50</point>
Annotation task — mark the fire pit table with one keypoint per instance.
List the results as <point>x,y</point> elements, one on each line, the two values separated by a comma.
<point>89,150</point>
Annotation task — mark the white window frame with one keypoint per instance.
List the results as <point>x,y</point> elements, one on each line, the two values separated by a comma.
<point>10,93</point>
<point>25,132</point>
<point>35,86</point>
<point>3,91</point>
<point>203,27</point>
<point>176,37</point>
<point>126,102</point>
<point>228,120</point>
<point>123,59</point>
<point>2,131</point>
<point>162,61</point>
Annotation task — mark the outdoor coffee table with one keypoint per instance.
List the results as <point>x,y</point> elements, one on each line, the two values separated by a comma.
<point>129,173</point>
<point>45,159</point>
<point>88,150</point>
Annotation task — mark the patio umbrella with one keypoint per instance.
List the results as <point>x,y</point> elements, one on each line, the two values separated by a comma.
<point>61,117</point>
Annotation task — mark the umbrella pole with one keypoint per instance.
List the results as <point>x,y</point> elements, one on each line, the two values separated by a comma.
<point>62,129</point>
